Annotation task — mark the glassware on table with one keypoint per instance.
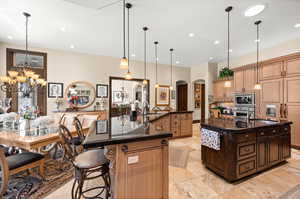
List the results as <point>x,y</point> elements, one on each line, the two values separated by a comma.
<point>5,104</point>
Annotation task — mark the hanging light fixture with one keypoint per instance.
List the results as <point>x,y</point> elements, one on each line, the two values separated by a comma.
<point>171,79</point>
<point>128,75</point>
<point>145,82</point>
<point>156,59</point>
<point>227,83</point>
<point>124,60</point>
<point>24,76</point>
<point>257,86</point>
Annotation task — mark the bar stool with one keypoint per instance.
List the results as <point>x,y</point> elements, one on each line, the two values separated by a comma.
<point>86,165</point>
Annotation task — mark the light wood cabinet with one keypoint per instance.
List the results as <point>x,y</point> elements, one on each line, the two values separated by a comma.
<point>222,94</point>
<point>142,170</point>
<point>272,93</point>
<point>239,81</point>
<point>244,80</point>
<point>292,106</point>
<point>292,67</point>
<point>271,70</point>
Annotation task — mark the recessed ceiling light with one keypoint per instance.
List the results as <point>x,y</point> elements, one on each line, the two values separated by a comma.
<point>72,46</point>
<point>297,25</point>
<point>211,58</point>
<point>257,40</point>
<point>191,34</point>
<point>177,62</point>
<point>230,50</point>
<point>133,55</point>
<point>254,10</point>
<point>216,42</point>
<point>9,37</point>
<point>63,29</point>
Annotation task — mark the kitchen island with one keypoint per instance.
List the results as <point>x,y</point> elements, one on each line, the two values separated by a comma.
<point>138,155</point>
<point>245,148</point>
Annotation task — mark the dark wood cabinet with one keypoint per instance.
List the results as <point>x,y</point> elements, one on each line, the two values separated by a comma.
<point>248,151</point>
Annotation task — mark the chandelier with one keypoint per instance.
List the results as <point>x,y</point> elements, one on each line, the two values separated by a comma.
<point>26,78</point>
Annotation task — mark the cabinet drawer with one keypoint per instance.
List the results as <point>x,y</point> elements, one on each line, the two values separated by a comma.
<point>175,123</point>
<point>286,129</point>
<point>268,132</point>
<point>186,116</point>
<point>246,167</point>
<point>245,137</point>
<point>246,150</point>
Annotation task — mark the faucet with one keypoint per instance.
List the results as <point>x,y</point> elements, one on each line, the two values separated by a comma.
<point>146,107</point>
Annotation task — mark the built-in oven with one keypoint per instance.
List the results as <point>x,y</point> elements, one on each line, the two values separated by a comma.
<point>244,113</point>
<point>244,99</point>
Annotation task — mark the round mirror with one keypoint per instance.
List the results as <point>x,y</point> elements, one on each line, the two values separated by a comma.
<point>80,94</point>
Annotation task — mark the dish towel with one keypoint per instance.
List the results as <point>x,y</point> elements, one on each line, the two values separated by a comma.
<point>210,139</point>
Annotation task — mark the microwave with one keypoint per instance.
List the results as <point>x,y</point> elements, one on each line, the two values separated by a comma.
<point>244,99</point>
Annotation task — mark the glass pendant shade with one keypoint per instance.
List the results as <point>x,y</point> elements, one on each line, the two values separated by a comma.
<point>124,63</point>
<point>257,86</point>
<point>128,75</point>
<point>145,82</point>
<point>227,84</point>
<point>156,85</point>
<point>171,87</point>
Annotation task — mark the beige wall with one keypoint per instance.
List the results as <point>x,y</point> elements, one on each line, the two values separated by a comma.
<point>281,49</point>
<point>206,72</point>
<point>67,67</point>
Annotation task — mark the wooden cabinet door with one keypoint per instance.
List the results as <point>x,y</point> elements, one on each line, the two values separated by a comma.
<point>271,70</point>
<point>216,91</point>
<point>142,171</point>
<point>292,107</point>
<point>239,81</point>
<point>274,149</point>
<point>292,67</point>
<point>262,153</point>
<point>286,146</point>
<point>229,92</point>
<point>186,124</point>
<point>249,79</point>
<point>271,93</point>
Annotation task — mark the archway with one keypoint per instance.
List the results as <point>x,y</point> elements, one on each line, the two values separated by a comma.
<point>199,99</point>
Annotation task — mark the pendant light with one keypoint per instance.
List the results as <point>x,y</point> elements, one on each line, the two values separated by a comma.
<point>128,75</point>
<point>227,83</point>
<point>124,60</point>
<point>171,79</point>
<point>156,83</point>
<point>145,82</point>
<point>257,86</point>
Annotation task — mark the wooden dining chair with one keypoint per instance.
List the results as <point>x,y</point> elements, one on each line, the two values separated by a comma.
<point>16,163</point>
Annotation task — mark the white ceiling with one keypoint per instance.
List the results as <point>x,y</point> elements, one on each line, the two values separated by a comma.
<point>95,26</point>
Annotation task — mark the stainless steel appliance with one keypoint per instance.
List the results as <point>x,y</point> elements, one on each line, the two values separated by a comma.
<point>244,106</point>
<point>244,99</point>
<point>271,110</point>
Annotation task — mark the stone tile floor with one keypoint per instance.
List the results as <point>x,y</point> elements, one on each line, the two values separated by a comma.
<point>196,182</point>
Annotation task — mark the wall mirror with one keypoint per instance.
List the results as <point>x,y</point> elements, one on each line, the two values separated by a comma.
<point>80,94</point>
<point>124,93</point>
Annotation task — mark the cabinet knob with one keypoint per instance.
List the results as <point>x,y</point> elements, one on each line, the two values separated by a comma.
<point>124,148</point>
<point>262,133</point>
<point>246,136</point>
<point>274,131</point>
<point>285,129</point>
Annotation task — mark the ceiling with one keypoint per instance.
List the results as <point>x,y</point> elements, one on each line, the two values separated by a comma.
<point>95,26</point>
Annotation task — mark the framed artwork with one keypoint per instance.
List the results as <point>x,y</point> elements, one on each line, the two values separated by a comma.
<point>117,96</point>
<point>101,126</point>
<point>55,90</point>
<point>162,96</point>
<point>101,90</point>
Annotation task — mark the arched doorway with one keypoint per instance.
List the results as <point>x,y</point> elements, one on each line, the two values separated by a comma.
<point>199,99</point>
<point>182,95</point>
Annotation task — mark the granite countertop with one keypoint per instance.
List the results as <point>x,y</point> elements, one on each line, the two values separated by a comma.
<point>235,125</point>
<point>155,115</point>
<point>118,130</point>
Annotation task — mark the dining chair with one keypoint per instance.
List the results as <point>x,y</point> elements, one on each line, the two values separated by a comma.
<point>13,164</point>
<point>86,164</point>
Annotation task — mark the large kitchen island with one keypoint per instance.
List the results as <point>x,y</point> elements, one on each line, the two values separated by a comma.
<point>245,148</point>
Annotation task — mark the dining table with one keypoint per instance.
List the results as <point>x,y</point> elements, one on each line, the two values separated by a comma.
<point>33,139</point>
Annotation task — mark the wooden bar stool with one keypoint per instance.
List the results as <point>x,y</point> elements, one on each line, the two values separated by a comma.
<point>88,165</point>
<point>16,163</point>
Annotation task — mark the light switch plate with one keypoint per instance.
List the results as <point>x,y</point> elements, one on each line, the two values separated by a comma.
<point>133,159</point>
